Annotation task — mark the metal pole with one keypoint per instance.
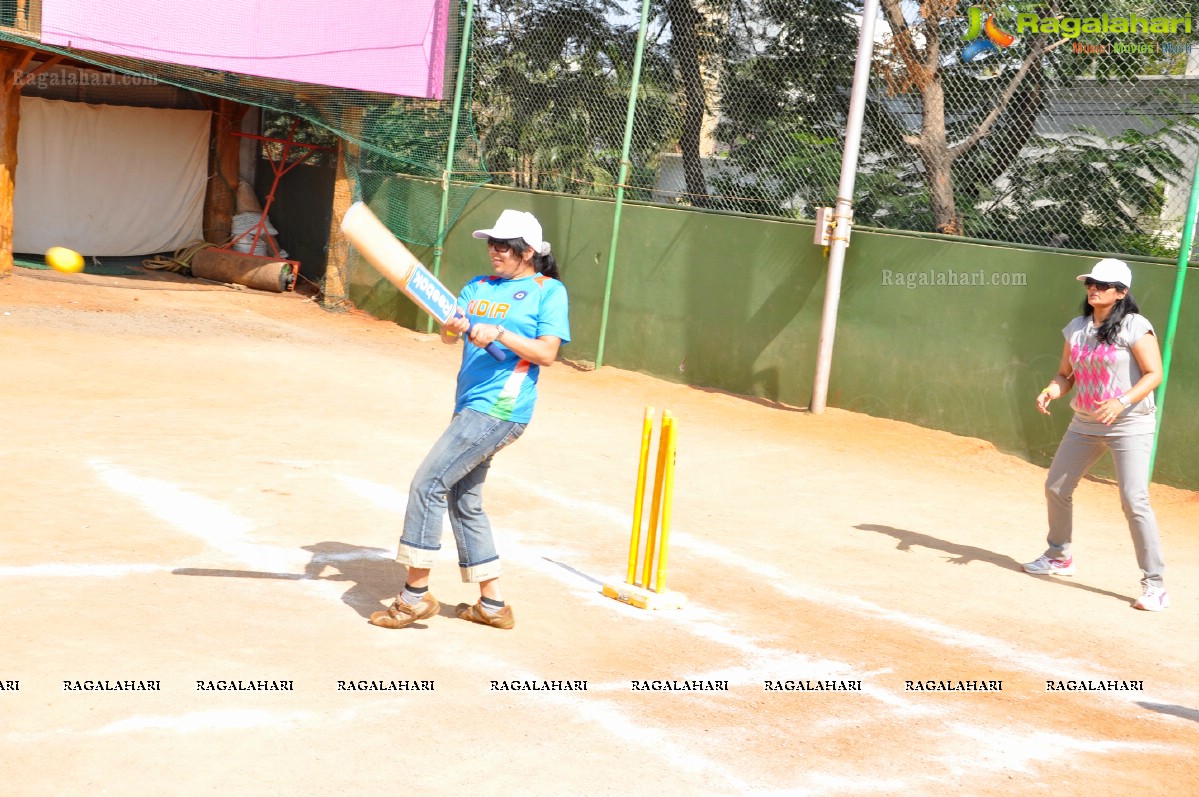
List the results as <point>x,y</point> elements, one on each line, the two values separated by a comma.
<point>843,212</point>
<point>459,79</point>
<point>1184,257</point>
<point>620,181</point>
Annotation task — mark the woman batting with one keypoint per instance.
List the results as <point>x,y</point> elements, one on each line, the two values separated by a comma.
<point>522,307</point>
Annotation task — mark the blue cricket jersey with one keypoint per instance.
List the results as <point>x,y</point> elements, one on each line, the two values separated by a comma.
<point>534,307</point>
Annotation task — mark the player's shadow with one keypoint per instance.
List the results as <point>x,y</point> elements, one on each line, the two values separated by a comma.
<point>1167,708</point>
<point>373,574</point>
<point>965,554</point>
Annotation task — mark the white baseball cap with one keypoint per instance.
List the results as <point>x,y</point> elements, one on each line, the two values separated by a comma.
<point>517,224</point>
<point>1110,270</point>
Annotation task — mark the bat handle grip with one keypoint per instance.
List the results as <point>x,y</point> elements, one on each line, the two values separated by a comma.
<point>495,351</point>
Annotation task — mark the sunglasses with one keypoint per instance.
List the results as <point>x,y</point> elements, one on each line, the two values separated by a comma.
<point>501,247</point>
<point>1099,286</point>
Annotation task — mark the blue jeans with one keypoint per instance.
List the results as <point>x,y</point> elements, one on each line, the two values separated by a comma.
<point>451,477</point>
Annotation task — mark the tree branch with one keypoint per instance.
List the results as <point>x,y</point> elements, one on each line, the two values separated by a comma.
<point>984,127</point>
<point>905,47</point>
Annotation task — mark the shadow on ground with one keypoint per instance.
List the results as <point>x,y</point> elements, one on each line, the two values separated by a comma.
<point>1176,711</point>
<point>965,554</point>
<point>373,574</point>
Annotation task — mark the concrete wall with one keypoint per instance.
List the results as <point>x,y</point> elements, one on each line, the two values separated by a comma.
<point>734,303</point>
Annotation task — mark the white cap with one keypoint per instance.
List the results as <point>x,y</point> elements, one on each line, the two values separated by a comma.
<point>1110,270</point>
<point>517,224</point>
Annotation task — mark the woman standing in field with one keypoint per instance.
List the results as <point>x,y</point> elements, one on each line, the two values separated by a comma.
<point>522,307</point>
<point>1111,359</point>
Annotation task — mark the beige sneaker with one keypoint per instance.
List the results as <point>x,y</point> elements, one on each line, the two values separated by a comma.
<point>477,614</point>
<point>400,614</point>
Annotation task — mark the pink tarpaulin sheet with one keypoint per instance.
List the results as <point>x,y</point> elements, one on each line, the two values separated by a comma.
<point>389,47</point>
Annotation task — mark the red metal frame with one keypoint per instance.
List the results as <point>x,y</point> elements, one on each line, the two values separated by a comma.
<point>279,168</point>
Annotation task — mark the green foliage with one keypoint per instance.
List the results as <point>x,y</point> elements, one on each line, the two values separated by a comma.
<point>283,126</point>
<point>551,92</point>
<point>550,82</point>
<point>783,104</point>
<point>1085,191</point>
<point>412,136</point>
<point>1027,178</point>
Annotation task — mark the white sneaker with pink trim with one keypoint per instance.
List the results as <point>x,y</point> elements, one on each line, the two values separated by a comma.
<point>1044,566</point>
<point>1153,599</point>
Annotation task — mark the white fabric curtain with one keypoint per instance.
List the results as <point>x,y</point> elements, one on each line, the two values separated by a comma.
<point>108,179</point>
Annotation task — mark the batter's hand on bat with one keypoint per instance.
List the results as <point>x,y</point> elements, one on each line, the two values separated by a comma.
<point>483,335</point>
<point>458,325</point>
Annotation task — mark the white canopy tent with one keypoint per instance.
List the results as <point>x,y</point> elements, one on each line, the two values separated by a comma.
<point>109,180</point>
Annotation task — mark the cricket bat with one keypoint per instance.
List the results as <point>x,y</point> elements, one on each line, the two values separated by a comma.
<point>401,268</point>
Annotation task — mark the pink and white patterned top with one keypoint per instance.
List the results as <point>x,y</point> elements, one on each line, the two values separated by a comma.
<point>1105,371</point>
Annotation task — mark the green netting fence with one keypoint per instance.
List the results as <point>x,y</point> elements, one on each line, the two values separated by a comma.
<point>1060,123</point>
<point>386,135</point>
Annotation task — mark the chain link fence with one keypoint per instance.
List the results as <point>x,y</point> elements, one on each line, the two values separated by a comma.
<point>1062,124</point>
<point>383,135</point>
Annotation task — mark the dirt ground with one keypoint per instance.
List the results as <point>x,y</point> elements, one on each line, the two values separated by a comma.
<point>206,484</point>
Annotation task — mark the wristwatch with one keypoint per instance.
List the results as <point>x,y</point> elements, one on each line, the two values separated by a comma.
<point>1124,400</point>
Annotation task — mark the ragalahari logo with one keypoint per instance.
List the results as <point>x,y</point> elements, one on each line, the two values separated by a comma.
<point>994,36</point>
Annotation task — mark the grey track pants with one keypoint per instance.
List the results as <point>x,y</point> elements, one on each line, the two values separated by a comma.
<point>1075,456</point>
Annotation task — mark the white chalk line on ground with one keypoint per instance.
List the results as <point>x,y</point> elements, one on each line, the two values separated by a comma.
<point>714,627</point>
<point>1015,750</point>
<point>199,517</point>
<point>697,620</point>
<point>66,570</point>
<point>1044,666</point>
<point>664,743</point>
<point>222,529</point>
<point>1004,749</point>
<point>120,570</point>
<point>707,624</point>
<point>210,522</point>
<point>208,721</point>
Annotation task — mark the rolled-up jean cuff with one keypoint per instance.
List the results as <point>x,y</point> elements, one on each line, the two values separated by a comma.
<point>411,556</point>
<point>473,574</point>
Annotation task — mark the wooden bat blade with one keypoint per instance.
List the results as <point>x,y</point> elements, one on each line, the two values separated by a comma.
<point>376,243</point>
<point>393,260</point>
<point>400,267</point>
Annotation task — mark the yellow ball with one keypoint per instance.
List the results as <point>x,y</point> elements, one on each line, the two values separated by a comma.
<point>66,260</point>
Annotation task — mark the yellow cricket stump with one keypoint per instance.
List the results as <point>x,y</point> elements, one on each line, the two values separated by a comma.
<point>650,592</point>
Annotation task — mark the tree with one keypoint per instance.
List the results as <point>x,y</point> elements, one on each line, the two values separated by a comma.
<point>925,69</point>
<point>784,94</point>
<point>952,146</point>
<point>698,33</point>
<point>551,89</point>
<point>976,120</point>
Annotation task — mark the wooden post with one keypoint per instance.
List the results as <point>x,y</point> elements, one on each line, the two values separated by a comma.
<point>10,121</point>
<point>335,293</point>
<point>220,200</point>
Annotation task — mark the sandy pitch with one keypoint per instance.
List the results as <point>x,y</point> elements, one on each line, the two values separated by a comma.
<point>205,484</point>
